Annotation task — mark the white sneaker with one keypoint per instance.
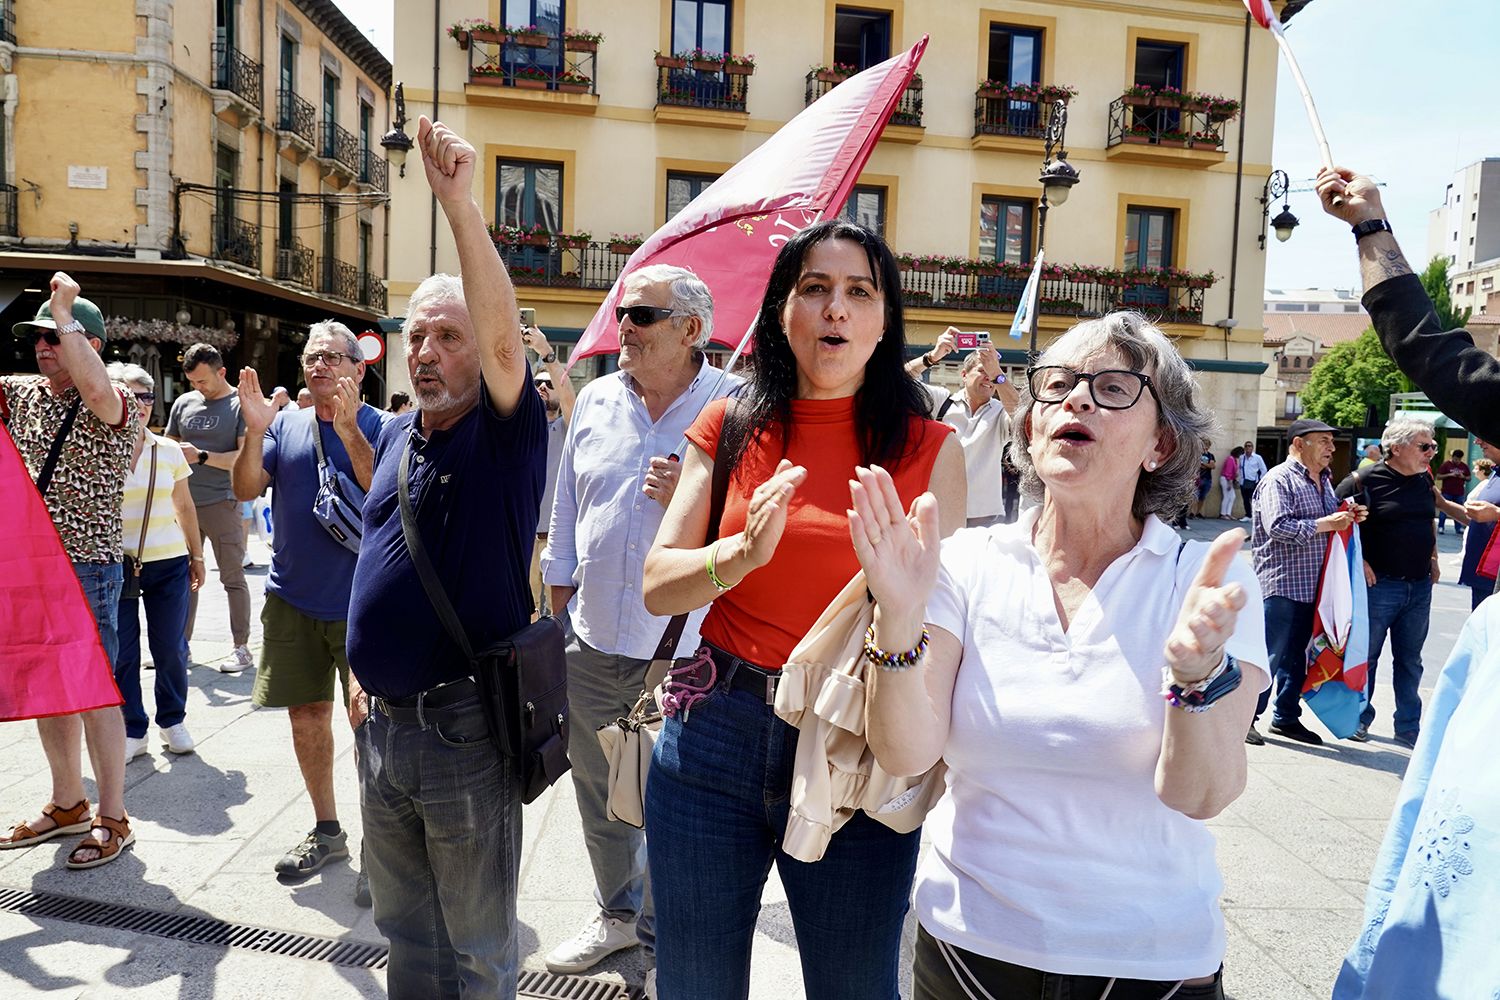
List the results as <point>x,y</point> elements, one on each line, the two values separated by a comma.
<point>601,938</point>
<point>135,746</point>
<point>240,660</point>
<point>649,989</point>
<point>176,739</point>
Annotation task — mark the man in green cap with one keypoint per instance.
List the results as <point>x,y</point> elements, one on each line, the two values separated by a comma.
<point>73,410</point>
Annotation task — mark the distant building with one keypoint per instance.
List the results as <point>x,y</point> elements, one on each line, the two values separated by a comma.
<point>1465,231</point>
<point>1301,325</point>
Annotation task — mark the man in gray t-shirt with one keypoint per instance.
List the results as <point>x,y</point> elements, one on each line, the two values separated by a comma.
<point>208,423</point>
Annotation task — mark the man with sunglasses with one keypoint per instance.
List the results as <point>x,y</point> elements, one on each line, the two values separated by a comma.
<point>1401,563</point>
<point>619,470</point>
<point>73,404</point>
<point>556,391</point>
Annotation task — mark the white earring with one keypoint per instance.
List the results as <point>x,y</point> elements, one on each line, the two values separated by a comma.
<point>1150,466</point>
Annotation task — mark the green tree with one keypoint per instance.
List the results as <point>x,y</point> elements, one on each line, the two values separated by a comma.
<point>1435,281</point>
<point>1350,379</point>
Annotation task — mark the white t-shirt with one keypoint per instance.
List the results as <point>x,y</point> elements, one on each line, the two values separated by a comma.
<point>982,434</point>
<point>1051,849</point>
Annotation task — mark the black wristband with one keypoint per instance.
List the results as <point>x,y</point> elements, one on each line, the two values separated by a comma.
<point>1369,226</point>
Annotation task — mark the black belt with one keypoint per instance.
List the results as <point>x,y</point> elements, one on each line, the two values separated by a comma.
<point>432,705</point>
<point>745,676</point>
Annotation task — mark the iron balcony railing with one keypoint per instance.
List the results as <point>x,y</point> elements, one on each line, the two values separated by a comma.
<point>373,169</point>
<point>338,279</point>
<point>296,116</point>
<point>9,204</point>
<point>294,263</point>
<point>236,240</point>
<point>695,88</point>
<point>339,146</point>
<point>237,73</point>
<point>372,291</point>
<point>508,63</point>
<point>908,111</point>
<point>1005,116</point>
<point>1056,296</point>
<point>1174,127</point>
<point>562,263</point>
<point>7,22</point>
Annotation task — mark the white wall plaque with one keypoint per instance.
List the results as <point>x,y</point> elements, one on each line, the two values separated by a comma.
<point>96,178</point>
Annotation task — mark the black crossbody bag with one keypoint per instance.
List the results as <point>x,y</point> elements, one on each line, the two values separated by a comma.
<point>522,680</point>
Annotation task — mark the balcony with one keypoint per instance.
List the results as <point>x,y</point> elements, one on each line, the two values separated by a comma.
<point>560,262</point>
<point>701,93</point>
<point>339,150</point>
<point>236,85</point>
<point>294,263</point>
<point>1066,290</point>
<point>297,123</point>
<point>1172,135</point>
<point>506,72</point>
<point>906,121</point>
<point>338,279</point>
<point>237,241</point>
<point>9,204</point>
<point>7,22</point>
<point>372,292</point>
<point>373,169</point>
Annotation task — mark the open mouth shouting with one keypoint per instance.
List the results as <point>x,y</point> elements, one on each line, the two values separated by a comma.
<point>833,340</point>
<point>1073,433</point>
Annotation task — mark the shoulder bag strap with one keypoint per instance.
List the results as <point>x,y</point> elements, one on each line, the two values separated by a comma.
<point>430,582</point>
<point>44,480</point>
<point>140,548</point>
<point>318,444</point>
<point>943,410</point>
<point>717,492</point>
<point>4,407</point>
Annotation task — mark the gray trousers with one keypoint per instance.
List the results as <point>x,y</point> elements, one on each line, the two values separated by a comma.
<point>602,687</point>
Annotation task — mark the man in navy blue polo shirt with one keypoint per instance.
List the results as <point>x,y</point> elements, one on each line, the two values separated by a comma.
<point>441,807</point>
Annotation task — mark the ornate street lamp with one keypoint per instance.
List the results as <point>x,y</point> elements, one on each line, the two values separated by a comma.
<point>1277,186</point>
<point>396,142</point>
<point>1057,179</point>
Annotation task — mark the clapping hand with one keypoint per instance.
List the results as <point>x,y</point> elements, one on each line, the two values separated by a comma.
<point>898,549</point>
<point>257,410</point>
<point>765,518</point>
<point>346,407</point>
<point>1209,613</point>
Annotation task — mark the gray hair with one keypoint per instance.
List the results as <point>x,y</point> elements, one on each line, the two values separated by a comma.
<point>1404,430</point>
<point>690,295</point>
<point>970,363</point>
<point>1187,424</point>
<point>334,328</point>
<point>435,288</point>
<point>123,371</point>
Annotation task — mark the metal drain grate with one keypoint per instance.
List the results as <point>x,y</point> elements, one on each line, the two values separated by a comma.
<point>204,930</point>
<point>545,986</point>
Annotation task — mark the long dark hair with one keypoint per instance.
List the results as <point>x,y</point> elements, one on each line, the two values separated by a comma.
<point>889,396</point>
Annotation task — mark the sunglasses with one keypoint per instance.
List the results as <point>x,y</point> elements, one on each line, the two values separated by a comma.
<point>145,397</point>
<point>34,333</point>
<point>542,383</point>
<point>1429,446</point>
<point>643,315</point>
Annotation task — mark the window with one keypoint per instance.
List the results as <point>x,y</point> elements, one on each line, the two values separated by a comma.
<point>1149,236</point>
<point>330,242</point>
<point>1158,65</point>
<point>545,14</point>
<point>700,24</point>
<point>528,194</point>
<point>866,206</point>
<point>226,168</point>
<point>861,37</point>
<point>366,238</point>
<point>1486,284</point>
<point>224,33</point>
<point>683,187</point>
<point>1290,307</point>
<point>1293,405</point>
<point>366,120</point>
<point>1005,229</point>
<point>330,98</point>
<point>1469,288</point>
<point>286,215</point>
<point>288,64</point>
<point>1351,308</point>
<point>1015,54</point>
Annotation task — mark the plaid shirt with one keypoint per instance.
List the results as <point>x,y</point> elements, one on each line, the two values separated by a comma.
<point>1285,546</point>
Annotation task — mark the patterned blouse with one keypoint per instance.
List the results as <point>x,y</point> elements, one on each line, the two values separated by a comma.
<point>88,486</point>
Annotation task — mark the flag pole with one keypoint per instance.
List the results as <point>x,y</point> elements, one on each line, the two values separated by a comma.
<point>1307,101</point>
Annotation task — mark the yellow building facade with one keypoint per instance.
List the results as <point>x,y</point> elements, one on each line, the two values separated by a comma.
<point>207,171</point>
<point>590,139</point>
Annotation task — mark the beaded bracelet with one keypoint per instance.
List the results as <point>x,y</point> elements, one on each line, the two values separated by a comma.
<point>894,661</point>
<point>713,576</point>
<point>1195,698</point>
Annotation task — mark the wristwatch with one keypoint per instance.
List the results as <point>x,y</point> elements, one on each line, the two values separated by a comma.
<point>72,326</point>
<point>927,361</point>
<point>1369,226</point>
<point>202,456</point>
<point>550,359</point>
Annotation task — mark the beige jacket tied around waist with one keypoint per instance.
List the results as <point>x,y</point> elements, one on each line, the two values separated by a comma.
<point>823,693</point>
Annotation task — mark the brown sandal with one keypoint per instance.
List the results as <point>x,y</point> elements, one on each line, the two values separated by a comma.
<point>121,837</point>
<point>74,819</point>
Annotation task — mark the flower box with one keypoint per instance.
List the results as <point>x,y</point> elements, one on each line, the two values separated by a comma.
<point>580,45</point>
<point>1139,101</point>
<point>1173,143</point>
<point>1197,107</point>
<point>572,242</point>
<point>738,69</point>
<point>534,239</point>
<point>573,88</point>
<point>462,38</point>
<point>495,37</point>
<point>529,83</point>
<point>988,268</point>
<point>993,93</point>
<point>671,62</point>
<point>928,266</point>
<point>623,248</point>
<point>533,39</point>
<point>708,65</point>
<point>832,76</point>
<point>1138,138</point>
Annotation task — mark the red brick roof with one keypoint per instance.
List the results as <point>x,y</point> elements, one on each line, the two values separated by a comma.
<point>1327,329</point>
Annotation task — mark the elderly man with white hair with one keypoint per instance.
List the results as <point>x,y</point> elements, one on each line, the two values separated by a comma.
<point>1401,563</point>
<point>307,592</point>
<point>618,472</point>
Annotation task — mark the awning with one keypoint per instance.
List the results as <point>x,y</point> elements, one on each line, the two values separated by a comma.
<point>1438,420</point>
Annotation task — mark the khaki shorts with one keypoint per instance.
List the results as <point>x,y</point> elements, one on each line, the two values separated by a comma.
<point>299,658</point>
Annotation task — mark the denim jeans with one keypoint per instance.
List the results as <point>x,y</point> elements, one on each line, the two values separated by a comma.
<point>1288,628</point>
<point>602,687</point>
<point>442,846</point>
<point>716,809</point>
<point>101,588</point>
<point>1442,514</point>
<point>164,592</point>
<point>1399,608</point>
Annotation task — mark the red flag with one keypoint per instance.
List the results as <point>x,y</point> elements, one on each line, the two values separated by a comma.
<point>1263,13</point>
<point>51,660</point>
<point>730,234</point>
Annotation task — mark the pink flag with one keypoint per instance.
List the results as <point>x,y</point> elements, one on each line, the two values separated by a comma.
<point>730,234</point>
<point>1263,13</point>
<point>51,660</point>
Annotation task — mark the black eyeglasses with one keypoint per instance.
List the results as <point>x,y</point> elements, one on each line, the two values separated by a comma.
<point>1429,446</point>
<point>34,333</point>
<point>1115,389</point>
<point>331,359</point>
<point>542,383</point>
<point>643,315</point>
<point>145,397</point>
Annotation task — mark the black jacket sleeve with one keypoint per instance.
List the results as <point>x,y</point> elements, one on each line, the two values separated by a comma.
<point>1462,380</point>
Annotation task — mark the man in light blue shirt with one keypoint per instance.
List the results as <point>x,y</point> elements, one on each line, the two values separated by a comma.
<point>616,477</point>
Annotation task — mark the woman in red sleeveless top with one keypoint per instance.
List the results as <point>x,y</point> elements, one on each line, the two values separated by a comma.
<point>827,393</point>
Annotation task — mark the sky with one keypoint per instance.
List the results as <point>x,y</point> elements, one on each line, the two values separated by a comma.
<point>1406,91</point>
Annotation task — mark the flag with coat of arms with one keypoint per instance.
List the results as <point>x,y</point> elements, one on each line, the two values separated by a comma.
<point>1338,652</point>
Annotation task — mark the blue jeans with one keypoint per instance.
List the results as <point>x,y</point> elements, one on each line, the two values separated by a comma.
<point>101,588</point>
<point>1399,608</point>
<point>164,591</point>
<point>442,846</point>
<point>716,809</point>
<point>1457,498</point>
<point>1289,626</point>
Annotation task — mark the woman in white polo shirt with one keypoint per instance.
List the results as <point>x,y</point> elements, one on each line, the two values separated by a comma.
<point>1086,677</point>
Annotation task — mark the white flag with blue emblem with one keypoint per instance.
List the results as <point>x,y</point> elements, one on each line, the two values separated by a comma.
<point>1027,306</point>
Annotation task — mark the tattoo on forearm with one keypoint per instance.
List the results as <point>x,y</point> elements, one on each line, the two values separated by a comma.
<point>1380,259</point>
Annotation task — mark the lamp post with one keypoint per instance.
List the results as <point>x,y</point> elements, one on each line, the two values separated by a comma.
<point>1277,186</point>
<point>1057,179</point>
<point>396,142</point>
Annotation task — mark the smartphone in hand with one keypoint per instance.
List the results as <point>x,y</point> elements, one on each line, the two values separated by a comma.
<point>528,318</point>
